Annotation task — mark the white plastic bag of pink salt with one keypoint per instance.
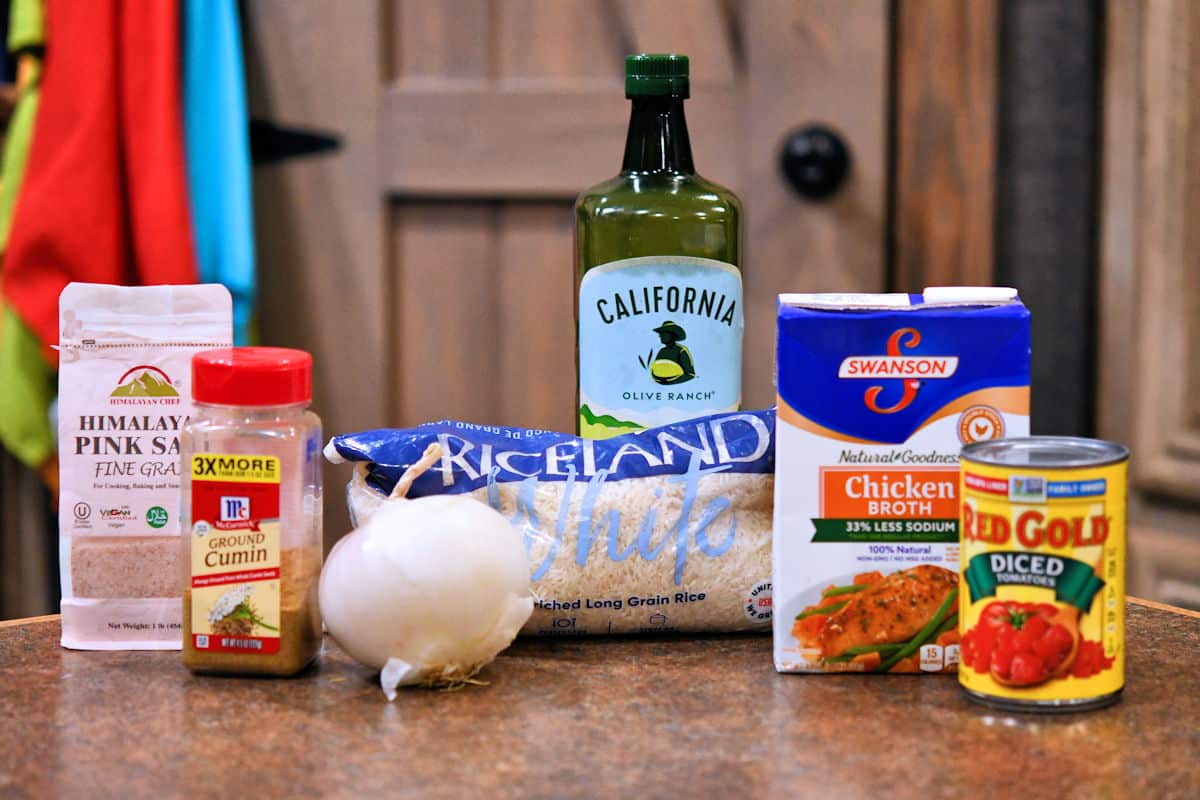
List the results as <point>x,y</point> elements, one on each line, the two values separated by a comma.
<point>124,387</point>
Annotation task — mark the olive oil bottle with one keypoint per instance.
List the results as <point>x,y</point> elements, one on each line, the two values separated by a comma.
<point>658,277</point>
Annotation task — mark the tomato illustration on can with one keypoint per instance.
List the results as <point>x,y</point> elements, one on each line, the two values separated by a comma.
<point>1043,564</point>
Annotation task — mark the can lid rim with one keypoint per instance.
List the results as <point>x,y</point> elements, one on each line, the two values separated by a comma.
<point>1056,452</point>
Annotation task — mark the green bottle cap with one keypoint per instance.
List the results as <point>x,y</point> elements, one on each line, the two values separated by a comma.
<point>656,74</point>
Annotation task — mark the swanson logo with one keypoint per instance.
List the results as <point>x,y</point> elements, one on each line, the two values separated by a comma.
<point>911,369</point>
<point>144,381</point>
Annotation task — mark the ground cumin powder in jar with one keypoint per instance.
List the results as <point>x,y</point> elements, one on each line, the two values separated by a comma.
<point>252,513</point>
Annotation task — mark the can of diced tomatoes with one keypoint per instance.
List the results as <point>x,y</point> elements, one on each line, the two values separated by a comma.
<point>1042,610</point>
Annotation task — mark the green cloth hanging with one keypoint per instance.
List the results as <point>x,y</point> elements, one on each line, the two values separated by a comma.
<point>29,388</point>
<point>26,34</point>
<point>28,381</point>
<point>26,25</point>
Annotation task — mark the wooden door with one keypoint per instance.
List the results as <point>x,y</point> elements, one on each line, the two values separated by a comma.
<point>1149,393</point>
<point>428,263</point>
<point>489,130</point>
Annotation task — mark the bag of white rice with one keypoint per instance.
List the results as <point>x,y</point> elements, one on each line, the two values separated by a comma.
<point>662,530</point>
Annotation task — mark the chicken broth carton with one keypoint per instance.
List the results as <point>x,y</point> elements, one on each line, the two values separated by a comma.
<point>877,394</point>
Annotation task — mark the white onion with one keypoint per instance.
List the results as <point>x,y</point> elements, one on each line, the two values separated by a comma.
<point>428,590</point>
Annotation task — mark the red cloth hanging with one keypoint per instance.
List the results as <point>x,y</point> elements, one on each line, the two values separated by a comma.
<point>105,193</point>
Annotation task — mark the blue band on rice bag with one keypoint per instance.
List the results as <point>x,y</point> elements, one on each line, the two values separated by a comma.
<point>738,442</point>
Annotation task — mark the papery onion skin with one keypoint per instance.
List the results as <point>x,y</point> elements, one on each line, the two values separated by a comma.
<point>440,582</point>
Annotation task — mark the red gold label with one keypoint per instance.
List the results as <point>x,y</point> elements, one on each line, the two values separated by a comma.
<point>1042,605</point>
<point>235,553</point>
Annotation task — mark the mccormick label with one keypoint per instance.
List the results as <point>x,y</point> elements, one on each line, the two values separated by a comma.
<point>876,396</point>
<point>1043,568</point>
<point>235,553</point>
<point>660,341</point>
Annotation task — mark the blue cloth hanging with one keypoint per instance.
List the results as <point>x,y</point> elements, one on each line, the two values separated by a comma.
<point>218,154</point>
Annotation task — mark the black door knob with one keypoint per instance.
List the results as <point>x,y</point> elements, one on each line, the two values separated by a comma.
<point>815,161</point>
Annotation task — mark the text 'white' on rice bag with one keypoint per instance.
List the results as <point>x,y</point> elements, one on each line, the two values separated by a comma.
<point>658,531</point>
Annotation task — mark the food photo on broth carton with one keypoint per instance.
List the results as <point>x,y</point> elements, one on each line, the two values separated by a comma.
<point>890,514</point>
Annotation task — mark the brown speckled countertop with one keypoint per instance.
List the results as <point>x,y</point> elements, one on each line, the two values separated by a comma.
<point>599,718</point>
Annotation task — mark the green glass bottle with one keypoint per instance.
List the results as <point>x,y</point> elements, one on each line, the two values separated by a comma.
<point>658,284</point>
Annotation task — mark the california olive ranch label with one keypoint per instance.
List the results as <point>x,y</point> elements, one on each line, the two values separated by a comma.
<point>660,340</point>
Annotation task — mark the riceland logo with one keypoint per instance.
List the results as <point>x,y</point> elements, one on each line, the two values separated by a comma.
<point>912,369</point>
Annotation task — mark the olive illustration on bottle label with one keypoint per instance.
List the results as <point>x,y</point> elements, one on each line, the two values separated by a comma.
<point>673,363</point>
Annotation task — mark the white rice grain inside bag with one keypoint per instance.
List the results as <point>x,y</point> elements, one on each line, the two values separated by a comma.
<point>124,387</point>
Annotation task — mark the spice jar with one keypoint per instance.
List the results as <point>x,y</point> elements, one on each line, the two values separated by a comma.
<point>252,513</point>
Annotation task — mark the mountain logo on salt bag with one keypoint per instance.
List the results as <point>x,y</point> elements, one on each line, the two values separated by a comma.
<point>144,381</point>
<point>910,369</point>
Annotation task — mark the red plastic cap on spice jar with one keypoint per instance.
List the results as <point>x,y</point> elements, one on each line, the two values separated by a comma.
<point>252,376</point>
